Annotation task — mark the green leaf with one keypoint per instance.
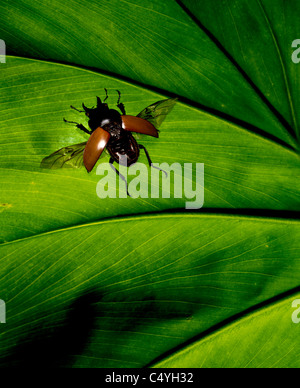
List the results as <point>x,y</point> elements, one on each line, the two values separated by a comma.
<point>242,170</point>
<point>272,344</point>
<point>258,35</point>
<point>108,295</point>
<point>132,283</point>
<point>151,42</point>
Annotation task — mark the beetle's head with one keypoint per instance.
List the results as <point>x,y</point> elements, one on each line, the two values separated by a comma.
<point>100,111</point>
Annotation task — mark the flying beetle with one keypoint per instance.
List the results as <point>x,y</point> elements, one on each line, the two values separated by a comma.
<point>111,131</point>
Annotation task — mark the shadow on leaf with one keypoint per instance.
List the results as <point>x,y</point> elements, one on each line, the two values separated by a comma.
<point>57,347</point>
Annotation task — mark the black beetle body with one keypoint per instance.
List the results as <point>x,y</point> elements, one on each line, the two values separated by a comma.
<point>122,145</point>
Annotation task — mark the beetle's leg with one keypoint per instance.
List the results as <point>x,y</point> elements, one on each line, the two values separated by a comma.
<point>79,126</point>
<point>121,105</point>
<point>111,161</point>
<point>84,129</point>
<point>149,159</point>
<point>80,111</point>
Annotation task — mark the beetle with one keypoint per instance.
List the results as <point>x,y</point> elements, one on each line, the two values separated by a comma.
<point>112,131</point>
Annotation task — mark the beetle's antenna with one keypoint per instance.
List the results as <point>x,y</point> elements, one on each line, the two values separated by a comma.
<point>80,111</point>
<point>119,97</point>
<point>106,95</point>
<point>121,106</point>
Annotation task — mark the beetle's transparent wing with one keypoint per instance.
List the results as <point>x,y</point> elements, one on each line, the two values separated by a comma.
<point>67,157</point>
<point>157,112</point>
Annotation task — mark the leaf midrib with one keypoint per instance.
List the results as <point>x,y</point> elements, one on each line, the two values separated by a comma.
<point>285,77</point>
<point>245,75</point>
<point>164,215</point>
<point>225,325</point>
